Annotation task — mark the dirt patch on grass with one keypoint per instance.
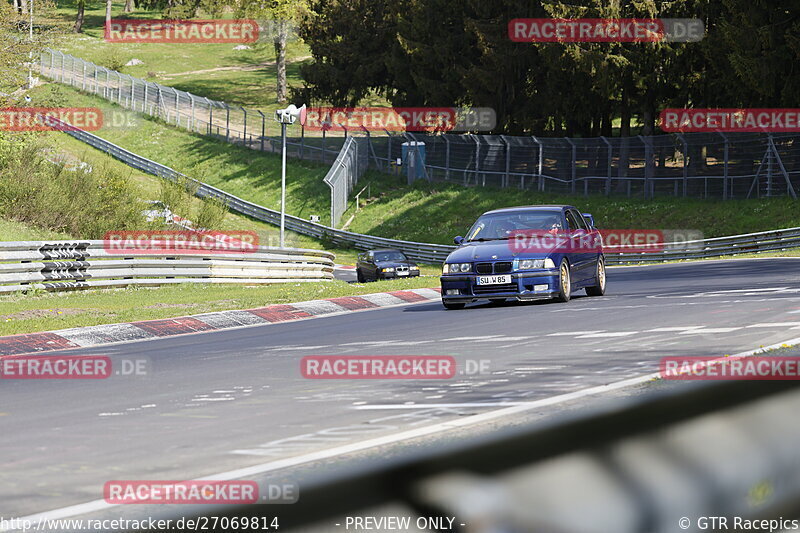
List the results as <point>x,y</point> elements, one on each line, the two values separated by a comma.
<point>42,313</point>
<point>245,68</point>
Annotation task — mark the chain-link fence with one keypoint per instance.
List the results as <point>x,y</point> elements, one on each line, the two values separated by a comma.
<point>704,165</point>
<point>700,165</point>
<point>342,177</point>
<point>235,124</point>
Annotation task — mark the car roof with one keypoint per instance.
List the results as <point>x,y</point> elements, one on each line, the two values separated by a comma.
<point>522,208</point>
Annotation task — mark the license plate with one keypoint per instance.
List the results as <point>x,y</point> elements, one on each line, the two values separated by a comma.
<point>402,272</point>
<point>494,280</point>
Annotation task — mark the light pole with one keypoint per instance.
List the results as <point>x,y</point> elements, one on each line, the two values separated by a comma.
<point>285,117</point>
<point>30,36</point>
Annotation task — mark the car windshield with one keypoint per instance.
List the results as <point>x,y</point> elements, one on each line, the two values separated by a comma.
<point>390,256</point>
<point>503,225</point>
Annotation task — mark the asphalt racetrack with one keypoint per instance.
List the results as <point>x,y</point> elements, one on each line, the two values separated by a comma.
<point>218,402</point>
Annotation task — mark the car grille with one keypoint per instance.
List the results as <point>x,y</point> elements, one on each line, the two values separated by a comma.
<point>402,269</point>
<point>486,289</point>
<point>501,267</point>
<point>483,268</point>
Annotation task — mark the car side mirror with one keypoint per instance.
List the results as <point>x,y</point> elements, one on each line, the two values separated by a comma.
<point>458,240</point>
<point>590,219</point>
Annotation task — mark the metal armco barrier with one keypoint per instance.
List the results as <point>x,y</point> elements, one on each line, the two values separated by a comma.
<point>436,253</point>
<point>62,265</point>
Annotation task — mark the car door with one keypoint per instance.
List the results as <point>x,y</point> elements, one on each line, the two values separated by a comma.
<point>370,270</point>
<point>581,254</point>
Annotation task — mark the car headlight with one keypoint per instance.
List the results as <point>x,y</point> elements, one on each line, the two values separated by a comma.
<point>389,269</point>
<point>528,264</point>
<point>453,268</point>
<point>413,267</point>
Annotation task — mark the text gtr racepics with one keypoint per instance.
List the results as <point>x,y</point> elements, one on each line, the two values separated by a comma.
<point>526,253</point>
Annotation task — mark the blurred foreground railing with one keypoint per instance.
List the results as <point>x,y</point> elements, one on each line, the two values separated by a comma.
<point>659,463</point>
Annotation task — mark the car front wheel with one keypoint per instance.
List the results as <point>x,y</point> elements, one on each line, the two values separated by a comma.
<point>564,282</point>
<point>600,288</point>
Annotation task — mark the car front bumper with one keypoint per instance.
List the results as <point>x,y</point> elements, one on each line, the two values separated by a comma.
<point>537,285</point>
<point>393,275</point>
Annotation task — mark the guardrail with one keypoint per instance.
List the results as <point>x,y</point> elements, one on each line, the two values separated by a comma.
<point>436,253</point>
<point>62,265</point>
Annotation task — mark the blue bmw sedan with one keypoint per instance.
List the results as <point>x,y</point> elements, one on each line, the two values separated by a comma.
<point>525,253</point>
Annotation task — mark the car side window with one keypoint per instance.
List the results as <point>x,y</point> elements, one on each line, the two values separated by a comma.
<point>572,224</point>
<point>580,220</point>
<point>369,256</point>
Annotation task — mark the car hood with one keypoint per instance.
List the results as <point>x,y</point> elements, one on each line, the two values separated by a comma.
<point>493,251</point>
<point>394,264</point>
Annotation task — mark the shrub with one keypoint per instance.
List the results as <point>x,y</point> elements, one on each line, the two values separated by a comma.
<point>85,203</point>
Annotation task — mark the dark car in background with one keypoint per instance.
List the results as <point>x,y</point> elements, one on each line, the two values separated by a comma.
<point>525,253</point>
<point>384,264</point>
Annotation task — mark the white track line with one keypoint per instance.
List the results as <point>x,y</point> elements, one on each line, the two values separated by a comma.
<point>441,427</point>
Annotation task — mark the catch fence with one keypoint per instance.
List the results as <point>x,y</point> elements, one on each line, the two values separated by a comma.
<point>699,165</point>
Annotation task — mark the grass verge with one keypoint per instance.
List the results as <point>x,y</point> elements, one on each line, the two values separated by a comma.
<point>425,212</point>
<point>50,311</point>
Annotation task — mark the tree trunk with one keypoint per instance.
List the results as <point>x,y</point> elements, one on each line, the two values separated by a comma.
<point>128,6</point>
<point>23,6</point>
<point>108,13</point>
<point>78,28</point>
<point>280,58</point>
<point>625,115</point>
<point>607,129</point>
<point>16,6</point>
<point>648,116</point>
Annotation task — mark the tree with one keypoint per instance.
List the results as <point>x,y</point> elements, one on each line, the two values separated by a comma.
<point>761,44</point>
<point>78,27</point>
<point>16,48</point>
<point>279,16</point>
<point>351,42</point>
<point>108,12</point>
<point>128,6</point>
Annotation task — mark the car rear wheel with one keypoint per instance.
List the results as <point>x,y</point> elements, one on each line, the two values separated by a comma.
<point>564,282</point>
<point>453,305</point>
<point>360,276</point>
<point>600,288</point>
